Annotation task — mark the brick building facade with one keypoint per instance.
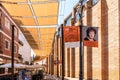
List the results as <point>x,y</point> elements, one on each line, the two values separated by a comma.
<point>6,23</point>
<point>102,63</point>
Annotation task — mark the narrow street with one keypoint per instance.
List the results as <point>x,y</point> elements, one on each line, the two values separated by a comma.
<point>59,39</point>
<point>52,77</point>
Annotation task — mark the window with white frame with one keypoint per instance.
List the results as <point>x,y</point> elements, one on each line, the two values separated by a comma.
<point>0,19</point>
<point>0,24</point>
<point>7,23</point>
<point>0,14</point>
<point>7,44</point>
<point>15,48</point>
<point>15,31</point>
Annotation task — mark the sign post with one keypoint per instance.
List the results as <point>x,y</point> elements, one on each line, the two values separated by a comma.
<point>62,53</point>
<point>12,53</point>
<point>81,60</point>
<point>81,73</point>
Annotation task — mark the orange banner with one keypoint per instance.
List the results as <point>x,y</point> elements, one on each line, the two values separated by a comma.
<point>91,43</point>
<point>57,62</point>
<point>71,34</point>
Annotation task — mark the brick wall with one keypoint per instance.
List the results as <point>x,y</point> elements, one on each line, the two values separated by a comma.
<point>8,31</point>
<point>102,63</point>
<point>6,34</point>
<point>77,62</point>
<point>8,51</point>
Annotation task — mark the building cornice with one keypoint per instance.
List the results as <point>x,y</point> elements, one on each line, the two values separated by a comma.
<point>6,56</point>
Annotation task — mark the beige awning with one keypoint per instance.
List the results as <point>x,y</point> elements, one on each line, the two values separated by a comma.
<point>37,20</point>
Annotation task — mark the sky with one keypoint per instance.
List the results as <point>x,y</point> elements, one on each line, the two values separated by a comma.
<point>65,8</point>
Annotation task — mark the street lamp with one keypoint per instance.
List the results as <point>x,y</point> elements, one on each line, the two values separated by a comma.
<point>80,10</point>
<point>62,53</point>
<point>12,52</point>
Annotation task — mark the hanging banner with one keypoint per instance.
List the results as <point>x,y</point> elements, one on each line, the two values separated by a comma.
<point>71,36</point>
<point>55,61</point>
<point>90,36</point>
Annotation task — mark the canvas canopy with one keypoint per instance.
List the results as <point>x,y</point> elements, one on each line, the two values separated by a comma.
<point>37,20</point>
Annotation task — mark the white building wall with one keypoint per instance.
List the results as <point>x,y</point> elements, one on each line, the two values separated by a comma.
<point>25,50</point>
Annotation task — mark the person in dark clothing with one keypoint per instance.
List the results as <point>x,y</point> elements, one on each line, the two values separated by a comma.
<point>40,74</point>
<point>90,32</point>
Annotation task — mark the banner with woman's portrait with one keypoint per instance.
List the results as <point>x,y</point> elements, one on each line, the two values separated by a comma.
<point>90,36</point>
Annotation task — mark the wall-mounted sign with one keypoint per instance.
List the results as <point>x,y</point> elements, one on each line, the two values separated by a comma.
<point>90,36</point>
<point>71,36</point>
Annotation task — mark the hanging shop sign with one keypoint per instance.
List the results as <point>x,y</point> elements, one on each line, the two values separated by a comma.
<point>90,36</point>
<point>71,36</point>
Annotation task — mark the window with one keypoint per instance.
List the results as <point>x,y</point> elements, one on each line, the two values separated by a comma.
<point>2,70</point>
<point>0,19</point>
<point>7,44</point>
<point>0,24</point>
<point>9,70</point>
<point>68,21</point>
<point>1,50</point>
<point>94,2</point>
<point>77,16</point>
<point>15,48</point>
<point>0,14</point>
<point>7,23</point>
<point>15,31</point>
